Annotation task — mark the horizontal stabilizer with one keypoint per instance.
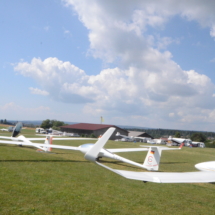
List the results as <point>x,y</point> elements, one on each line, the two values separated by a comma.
<point>128,150</point>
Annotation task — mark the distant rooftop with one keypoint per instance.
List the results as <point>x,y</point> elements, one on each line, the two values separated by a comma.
<point>138,134</point>
<point>135,133</point>
<point>89,126</point>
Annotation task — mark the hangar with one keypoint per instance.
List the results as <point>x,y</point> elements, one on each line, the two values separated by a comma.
<point>139,134</point>
<point>96,129</point>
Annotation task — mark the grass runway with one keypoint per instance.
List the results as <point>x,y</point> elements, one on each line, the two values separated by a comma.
<point>63,182</point>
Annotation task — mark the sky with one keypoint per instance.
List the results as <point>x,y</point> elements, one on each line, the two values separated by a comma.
<point>142,63</point>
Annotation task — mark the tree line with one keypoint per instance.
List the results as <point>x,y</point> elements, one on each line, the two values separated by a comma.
<point>193,135</point>
<point>54,124</point>
<point>4,121</point>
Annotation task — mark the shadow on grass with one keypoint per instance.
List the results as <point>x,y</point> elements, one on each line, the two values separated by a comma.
<point>35,149</point>
<point>172,162</point>
<point>13,145</point>
<point>63,161</point>
<point>120,163</point>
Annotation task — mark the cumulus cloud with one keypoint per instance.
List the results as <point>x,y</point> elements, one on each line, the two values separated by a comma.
<point>212,32</point>
<point>131,91</point>
<point>38,91</point>
<point>11,106</point>
<point>171,114</point>
<point>146,82</point>
<point>62,80</point>
<point>12,110</point>
<point>123,24</point>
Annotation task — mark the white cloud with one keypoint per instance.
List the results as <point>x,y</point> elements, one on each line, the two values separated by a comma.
<point>147,83</point>
<point>62,80</point>
<point>131,91</point>
<point>12,110</point>
<point>67,33</point>
<point>11,106</point>
<point>38,91</point>
<point>171,114</point>
<point>212,32</point>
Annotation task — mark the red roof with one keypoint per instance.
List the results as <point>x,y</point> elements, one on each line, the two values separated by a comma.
<point>88,126</point>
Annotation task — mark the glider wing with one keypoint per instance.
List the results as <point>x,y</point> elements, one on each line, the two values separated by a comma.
<point>166,177</point>
<point>38,145</point>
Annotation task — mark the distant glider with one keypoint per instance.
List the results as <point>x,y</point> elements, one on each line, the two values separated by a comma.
<point>3,129</point>
<point>131,138</point>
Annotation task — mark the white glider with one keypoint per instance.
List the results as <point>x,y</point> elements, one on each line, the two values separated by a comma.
<point>125,138</point>
<point>206,175</point>
<point>131,138</point>
<point>151,161</point>
<point>21,139</point>
<point>3,129</point>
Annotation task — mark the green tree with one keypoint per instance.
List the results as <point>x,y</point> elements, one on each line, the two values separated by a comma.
<point>198,137</point>
<point>92,135</point>
<point>177,134</point>
<point>46,124</point>
<point>54,124</point>
<point>57,123</point>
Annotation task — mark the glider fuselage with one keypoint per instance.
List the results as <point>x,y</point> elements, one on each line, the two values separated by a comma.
<point>103,153</point>
<point>206,166</point>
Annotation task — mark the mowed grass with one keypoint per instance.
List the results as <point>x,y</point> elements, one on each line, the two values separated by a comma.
<point>63,182</point>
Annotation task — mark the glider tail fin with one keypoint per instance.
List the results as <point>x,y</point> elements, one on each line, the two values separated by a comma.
<point>152,159</point>
<point>47,144</point>
<point>182,144</point>
<point>92,154</point>
<point>117,134</point>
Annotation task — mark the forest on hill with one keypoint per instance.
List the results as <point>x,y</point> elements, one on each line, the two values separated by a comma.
<point>157,133</point>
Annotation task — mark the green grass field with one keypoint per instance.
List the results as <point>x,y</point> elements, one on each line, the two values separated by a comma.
<point>63,182</point>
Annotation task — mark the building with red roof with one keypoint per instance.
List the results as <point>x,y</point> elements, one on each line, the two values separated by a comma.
<point>96,129</point>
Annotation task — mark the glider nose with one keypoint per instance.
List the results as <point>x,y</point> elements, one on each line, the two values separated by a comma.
<point>206,166</point>
<point>199,166</point>
<point>17,129</point>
